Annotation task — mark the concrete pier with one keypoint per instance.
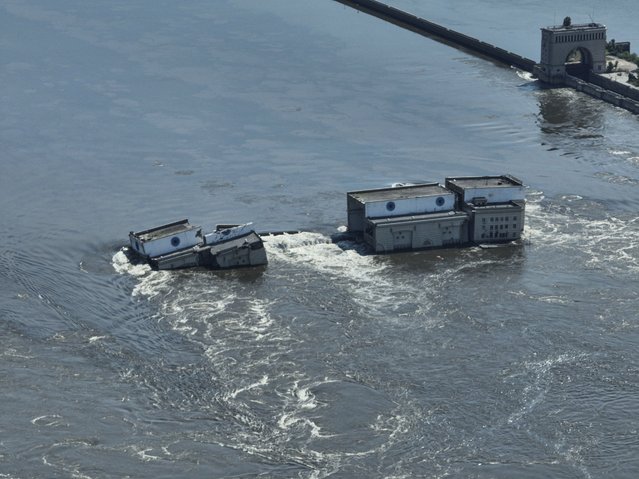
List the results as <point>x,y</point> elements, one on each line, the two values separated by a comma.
<point>593,84</point>
<point>430,29</point>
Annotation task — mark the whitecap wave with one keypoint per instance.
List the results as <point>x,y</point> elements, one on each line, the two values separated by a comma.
<point>610,243</point>
<point>150,282</point>
<point>369,280</point>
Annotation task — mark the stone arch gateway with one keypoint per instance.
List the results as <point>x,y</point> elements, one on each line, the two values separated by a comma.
<point>571,50</point>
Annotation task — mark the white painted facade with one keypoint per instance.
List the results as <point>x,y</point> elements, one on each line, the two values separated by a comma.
<point>226,234</point>
<point>167,244</point>
<point>500,194</point>
<point>409,206</point>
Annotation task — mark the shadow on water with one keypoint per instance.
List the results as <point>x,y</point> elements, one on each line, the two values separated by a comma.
<point>248,275</point>
<point>427,260</point>
<point>562,110</point>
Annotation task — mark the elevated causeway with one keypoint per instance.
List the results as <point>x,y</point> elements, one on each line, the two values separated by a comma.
<point>592,84</point>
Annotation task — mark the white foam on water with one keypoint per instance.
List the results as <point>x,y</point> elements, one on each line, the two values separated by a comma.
<point>150,283</point>
<point>143,453</point>
<point>620,152</point>
<point>298,400</point>
<point>122,265</point>
<point>48,420</point>
<point>609,243</point>
<point>13,353</point>
<point>540,373</point>
<point>262,382</point>
<point>525,75</point>
<point>305,397</point>
<point>367,278</point>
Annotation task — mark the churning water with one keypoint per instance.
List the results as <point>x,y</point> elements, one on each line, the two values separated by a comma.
<point>516,361</point>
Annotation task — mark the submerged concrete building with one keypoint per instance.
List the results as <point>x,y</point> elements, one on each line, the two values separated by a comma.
<point>182,245</point>
<point>495,206</point>
<point>406,217</point>
<point>485,209</point>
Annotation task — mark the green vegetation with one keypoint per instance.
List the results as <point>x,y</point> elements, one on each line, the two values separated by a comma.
<point>622,51</point>
<point>612,48</point>
<point>631,57</point>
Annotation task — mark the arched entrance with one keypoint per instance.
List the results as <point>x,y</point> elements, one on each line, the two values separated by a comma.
<point>579,62</point>
<point>571,49</point>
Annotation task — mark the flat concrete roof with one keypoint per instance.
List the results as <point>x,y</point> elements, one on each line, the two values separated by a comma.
<point>400,192</point>
<point>573,27</point>
<point>164,230</point>
<point>502,181</point>
<point>519,205</point>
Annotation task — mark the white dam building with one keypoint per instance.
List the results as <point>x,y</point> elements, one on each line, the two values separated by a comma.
<point>481,209</point>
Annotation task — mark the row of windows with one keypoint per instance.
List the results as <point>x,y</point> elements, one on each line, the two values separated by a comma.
<point>500,227</point>
<point>580,37</point>
<point>497,219</point>
<point>499,235</point>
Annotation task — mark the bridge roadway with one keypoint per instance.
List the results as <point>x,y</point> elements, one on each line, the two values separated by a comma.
<point>598,87</point>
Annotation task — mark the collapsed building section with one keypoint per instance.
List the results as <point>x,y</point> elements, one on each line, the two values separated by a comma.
<point>182,245</point>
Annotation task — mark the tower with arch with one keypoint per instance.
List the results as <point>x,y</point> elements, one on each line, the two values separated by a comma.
<point>570,49</point>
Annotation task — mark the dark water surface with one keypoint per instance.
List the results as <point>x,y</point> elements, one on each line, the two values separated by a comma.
<point>486,363</point>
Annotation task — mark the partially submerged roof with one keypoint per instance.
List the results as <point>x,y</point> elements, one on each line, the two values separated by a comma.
<point>400,192</point>
<point>502,181</point>
<point>251,238</point>
<point>165,230</point>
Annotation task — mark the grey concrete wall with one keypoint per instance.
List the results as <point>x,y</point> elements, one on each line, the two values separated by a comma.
<point>598,86</point>
<point>620,88</point>
<point>603,93</point>
<point>422,26</point>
